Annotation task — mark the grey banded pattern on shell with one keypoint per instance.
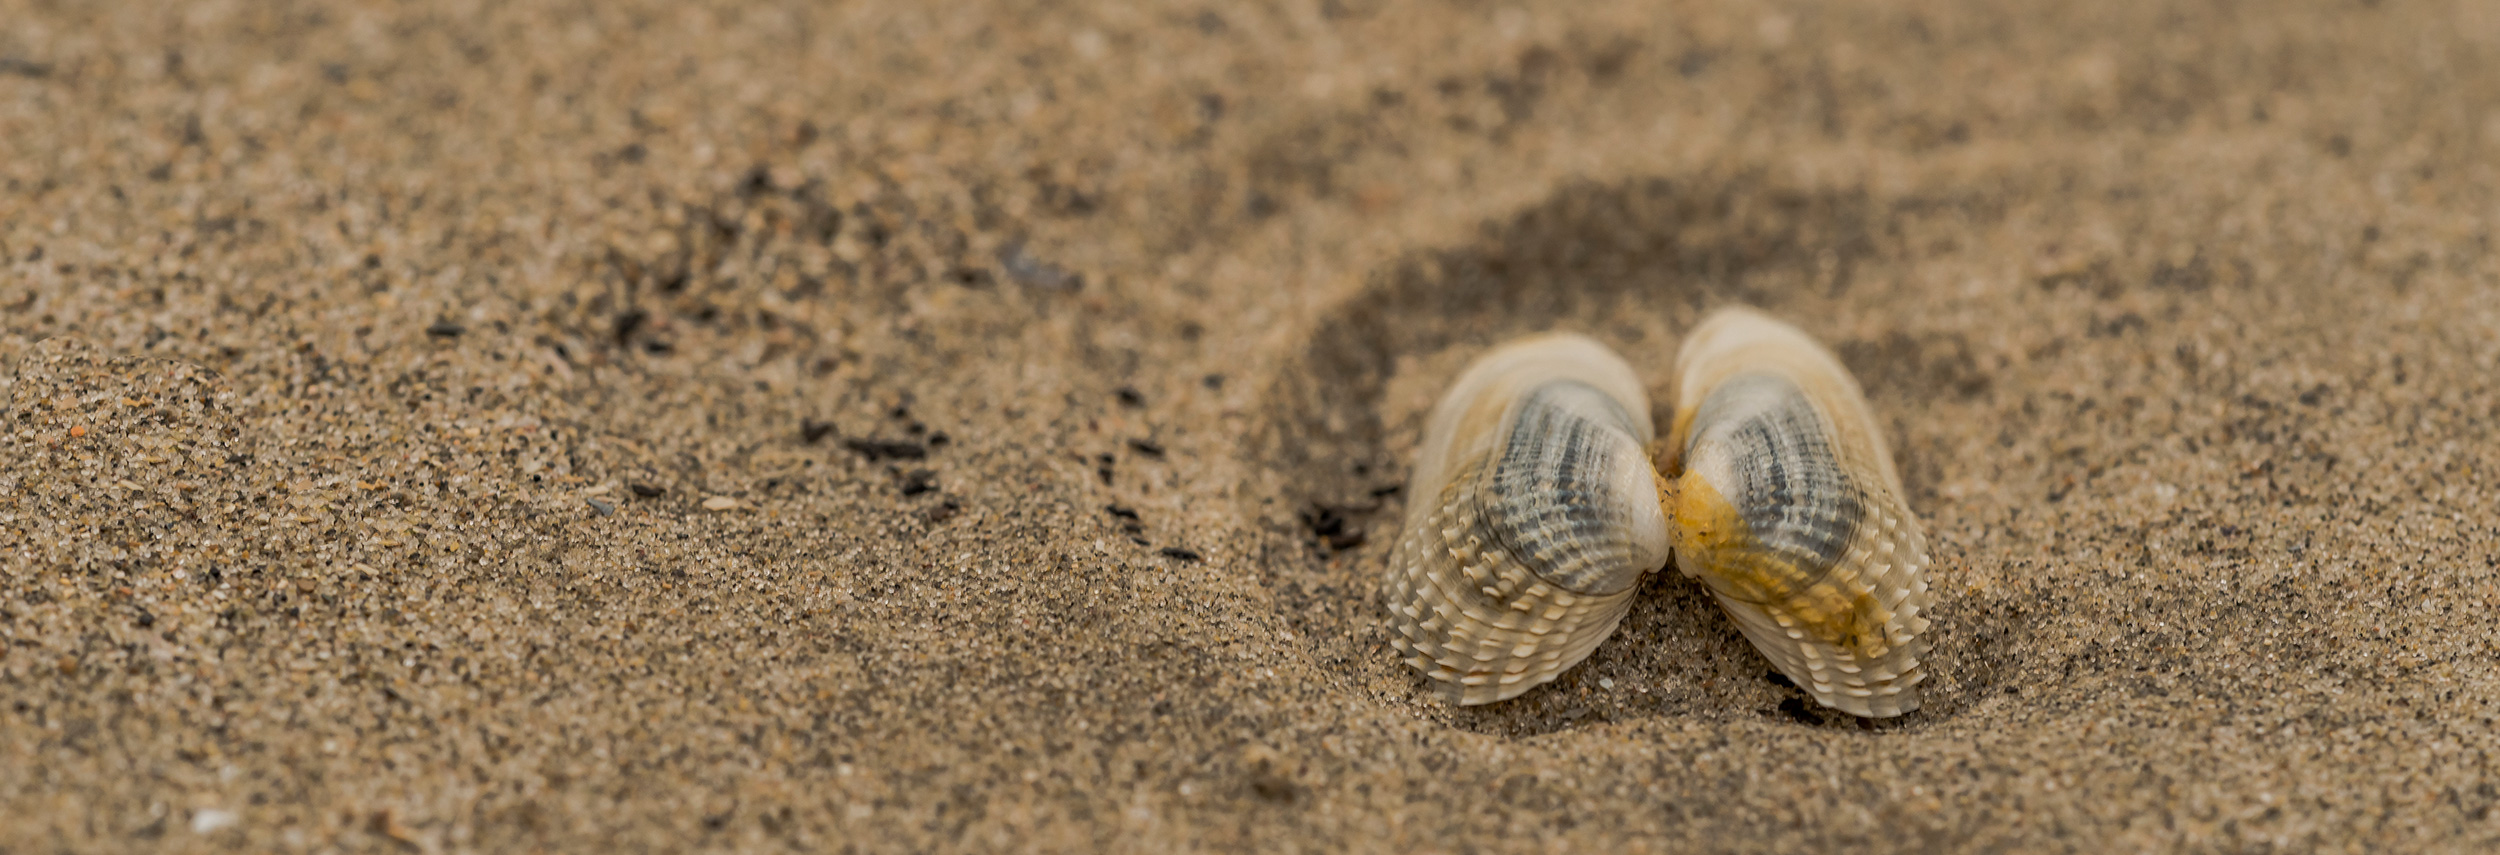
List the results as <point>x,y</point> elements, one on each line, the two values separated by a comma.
<point>1780,471</point>
<point>1533,514</point>
<point>1787,504</point>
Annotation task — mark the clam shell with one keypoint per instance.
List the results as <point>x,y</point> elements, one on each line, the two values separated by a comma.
<point>1533,512</point>
<point>1785,501</point>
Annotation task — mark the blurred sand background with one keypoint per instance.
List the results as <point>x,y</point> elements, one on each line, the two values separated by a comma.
<point>446,425</point>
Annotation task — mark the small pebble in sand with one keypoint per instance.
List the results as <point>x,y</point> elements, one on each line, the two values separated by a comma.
<point>720,503</point>
<point>211,819</point>
<point>1028,269</point>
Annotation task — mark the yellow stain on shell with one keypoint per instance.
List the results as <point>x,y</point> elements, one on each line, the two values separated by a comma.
<point>1831,606</point>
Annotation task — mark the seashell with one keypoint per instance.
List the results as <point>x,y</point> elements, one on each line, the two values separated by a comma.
<point>1533,512</point>
<point>1785,502</point>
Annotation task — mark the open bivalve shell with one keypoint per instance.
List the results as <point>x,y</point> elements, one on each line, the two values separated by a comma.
<point>1532,515</point>
<point>1785,502</point>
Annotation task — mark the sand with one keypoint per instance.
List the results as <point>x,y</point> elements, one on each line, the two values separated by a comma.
<point>446,426</point>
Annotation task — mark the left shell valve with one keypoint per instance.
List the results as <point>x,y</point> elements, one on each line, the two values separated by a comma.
<point>1533,515</point>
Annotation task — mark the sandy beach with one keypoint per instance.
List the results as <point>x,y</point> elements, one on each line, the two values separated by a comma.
<point>450,426</point>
